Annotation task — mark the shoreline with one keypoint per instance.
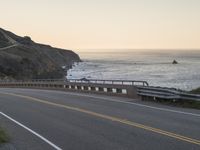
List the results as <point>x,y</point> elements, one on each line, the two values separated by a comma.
<point>103,71</point>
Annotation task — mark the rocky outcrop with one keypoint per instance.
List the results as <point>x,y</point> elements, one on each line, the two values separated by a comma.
<point>174,62</point>
<point>22,58</point>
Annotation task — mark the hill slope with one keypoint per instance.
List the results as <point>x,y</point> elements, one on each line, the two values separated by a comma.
<point>22,58</point>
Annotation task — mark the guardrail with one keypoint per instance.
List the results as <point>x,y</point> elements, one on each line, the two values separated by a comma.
<point>165,93</point>
<point>117,82</point>
<point>112,82</point>
<point>124,88</point>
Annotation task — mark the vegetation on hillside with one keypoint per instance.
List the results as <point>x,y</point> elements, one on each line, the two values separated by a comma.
<point>4,138</point>
<point>30,60</point>
<point>195,91</point>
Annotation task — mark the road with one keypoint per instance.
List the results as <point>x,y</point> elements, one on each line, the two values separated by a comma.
<point>5,48</point>
<point>44,119</point>
<point>11,41</point>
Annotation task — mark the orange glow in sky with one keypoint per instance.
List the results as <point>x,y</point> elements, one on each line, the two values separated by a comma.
<point>109,24</point>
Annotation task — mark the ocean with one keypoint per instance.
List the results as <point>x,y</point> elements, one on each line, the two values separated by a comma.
<point>153,66</point>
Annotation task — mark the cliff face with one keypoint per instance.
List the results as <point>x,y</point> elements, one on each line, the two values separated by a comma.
<point>22,58</point>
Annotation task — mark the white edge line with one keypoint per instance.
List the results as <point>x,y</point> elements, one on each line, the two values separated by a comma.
<point>141,105</point>
<point>131,103</point>
<point>33,132</point>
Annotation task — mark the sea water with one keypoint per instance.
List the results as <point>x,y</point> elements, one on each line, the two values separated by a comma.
<point>153,66</point>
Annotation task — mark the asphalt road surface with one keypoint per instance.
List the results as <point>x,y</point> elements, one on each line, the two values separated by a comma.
<point>45,120</point>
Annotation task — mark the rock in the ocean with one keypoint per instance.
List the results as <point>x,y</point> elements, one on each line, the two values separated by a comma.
<point>174,62</point>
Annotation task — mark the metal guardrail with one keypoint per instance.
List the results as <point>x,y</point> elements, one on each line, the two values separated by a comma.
<point>166,93</point>
<point>33,80</point>
<point>108,87</point>
<point>112,82</point>
<point>143,88</point>
<point>116,82</point>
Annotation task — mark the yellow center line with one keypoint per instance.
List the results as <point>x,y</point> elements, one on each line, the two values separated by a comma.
<point>107,117</point>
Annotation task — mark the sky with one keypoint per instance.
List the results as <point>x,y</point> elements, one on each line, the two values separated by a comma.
<point>105,24</point>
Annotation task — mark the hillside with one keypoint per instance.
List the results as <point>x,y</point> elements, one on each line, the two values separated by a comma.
<point>22,58</point>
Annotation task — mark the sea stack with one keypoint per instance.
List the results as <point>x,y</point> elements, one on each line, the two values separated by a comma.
<point>174,62</point>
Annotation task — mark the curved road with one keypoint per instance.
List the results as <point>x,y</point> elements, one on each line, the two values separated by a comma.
<point>12,41</point>
<point>5,48</point>
<point>43,119</point>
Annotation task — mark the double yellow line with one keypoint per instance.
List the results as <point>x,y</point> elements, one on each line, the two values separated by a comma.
<point>111,118</point>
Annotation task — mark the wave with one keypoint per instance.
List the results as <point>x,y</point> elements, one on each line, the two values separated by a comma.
<point>158,70</point>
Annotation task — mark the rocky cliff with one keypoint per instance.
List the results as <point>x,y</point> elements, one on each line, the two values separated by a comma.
<point>22,58</point>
